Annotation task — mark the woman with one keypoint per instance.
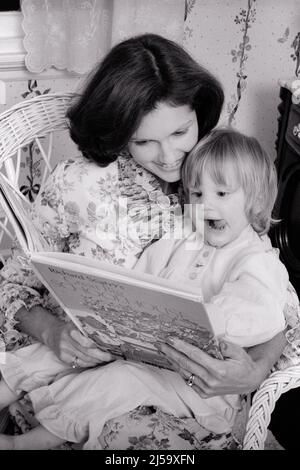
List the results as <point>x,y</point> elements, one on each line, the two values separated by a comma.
<point>143,110</point>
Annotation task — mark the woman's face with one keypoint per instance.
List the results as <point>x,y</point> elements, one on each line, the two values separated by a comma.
<point>163,139</point>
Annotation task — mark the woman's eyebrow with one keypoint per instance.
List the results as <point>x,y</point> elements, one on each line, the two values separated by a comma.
<point>137,139</point>
<point>185,124</point>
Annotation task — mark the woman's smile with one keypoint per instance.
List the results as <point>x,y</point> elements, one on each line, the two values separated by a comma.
<point>171,167</point>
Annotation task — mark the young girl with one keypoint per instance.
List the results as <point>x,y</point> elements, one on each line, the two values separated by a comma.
<point>243,284</point>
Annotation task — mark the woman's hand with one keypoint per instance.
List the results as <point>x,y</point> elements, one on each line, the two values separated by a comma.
<point>73,348</point>
<point>238,373</point>
<point>64,339</point>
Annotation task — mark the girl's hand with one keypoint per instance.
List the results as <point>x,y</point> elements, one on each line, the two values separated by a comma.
<point>73,348</point>
<point>236,374</point>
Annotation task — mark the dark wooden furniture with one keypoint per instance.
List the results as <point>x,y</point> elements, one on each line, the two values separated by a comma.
<point>286,234</point>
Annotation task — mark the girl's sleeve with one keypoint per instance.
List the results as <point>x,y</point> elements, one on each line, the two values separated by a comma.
<point>250,307</point>
<point>19,287</point>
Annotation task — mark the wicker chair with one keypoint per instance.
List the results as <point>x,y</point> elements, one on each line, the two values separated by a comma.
<point>27,122</point>
<point>41,116</point>
<point>263,404</point>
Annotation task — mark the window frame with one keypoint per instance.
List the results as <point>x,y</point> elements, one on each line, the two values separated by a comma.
<point>12,52</point>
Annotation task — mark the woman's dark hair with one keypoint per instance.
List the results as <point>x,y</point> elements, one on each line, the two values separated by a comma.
<point>132,79</point>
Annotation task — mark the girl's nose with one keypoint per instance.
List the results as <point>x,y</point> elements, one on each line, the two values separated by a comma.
<point>207,202</point>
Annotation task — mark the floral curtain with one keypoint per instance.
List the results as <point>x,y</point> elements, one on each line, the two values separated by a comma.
<point>75,34</point>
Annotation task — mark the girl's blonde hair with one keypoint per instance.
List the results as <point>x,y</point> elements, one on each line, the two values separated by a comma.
<point>227,148</point>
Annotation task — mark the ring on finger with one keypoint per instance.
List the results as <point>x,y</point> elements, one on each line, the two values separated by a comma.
<point>190,381</point>
<point>74,364</point>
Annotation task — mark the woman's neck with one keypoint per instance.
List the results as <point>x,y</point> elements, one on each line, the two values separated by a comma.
<point>169,188</point>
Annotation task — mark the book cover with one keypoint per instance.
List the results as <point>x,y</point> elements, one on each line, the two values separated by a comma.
<point>124,312</point>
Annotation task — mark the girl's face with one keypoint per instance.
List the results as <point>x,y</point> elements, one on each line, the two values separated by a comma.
<point>224,209</point>
<point>163,139</point>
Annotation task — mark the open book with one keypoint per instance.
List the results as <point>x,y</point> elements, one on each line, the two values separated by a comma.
<point>122,311</point>
<point>17,210</point>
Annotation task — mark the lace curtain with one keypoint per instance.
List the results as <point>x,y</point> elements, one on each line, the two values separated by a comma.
<point>75,34</point>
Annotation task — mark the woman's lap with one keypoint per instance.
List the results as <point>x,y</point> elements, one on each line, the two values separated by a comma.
<point>147,428</point>
<point>144,428</point>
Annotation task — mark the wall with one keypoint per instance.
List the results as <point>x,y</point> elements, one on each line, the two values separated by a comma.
<point>249,45</point>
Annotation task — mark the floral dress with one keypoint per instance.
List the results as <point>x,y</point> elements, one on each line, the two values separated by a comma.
<point>110,214</point>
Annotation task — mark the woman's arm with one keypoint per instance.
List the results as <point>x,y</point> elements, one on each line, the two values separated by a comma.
<point>240,371</point>
<point>265,355</point>
<point>62,338</point>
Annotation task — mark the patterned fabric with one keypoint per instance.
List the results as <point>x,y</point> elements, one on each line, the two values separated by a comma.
<point>144,428</point>
<point>147,428</point>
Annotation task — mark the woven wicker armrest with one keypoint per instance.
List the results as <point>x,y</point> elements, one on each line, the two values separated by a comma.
<point>263,404</point>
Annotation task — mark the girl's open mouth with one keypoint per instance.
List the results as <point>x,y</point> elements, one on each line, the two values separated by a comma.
<point>215,224</point>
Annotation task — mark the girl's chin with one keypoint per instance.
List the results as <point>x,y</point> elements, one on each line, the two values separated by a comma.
<point>215,241</point>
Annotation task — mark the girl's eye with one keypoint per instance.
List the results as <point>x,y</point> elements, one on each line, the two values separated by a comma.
<point>222,193</point>
<point>196,194</point>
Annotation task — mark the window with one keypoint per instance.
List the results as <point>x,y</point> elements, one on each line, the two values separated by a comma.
<point>11,35</point>
<point>12,51</point>
<point>11,40</point>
